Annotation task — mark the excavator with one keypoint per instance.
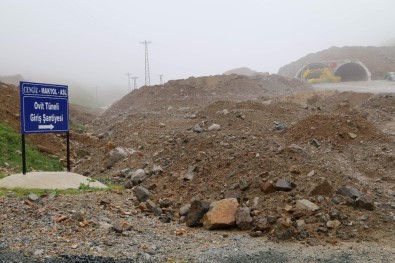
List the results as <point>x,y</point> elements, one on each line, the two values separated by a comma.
<point>319,74</point>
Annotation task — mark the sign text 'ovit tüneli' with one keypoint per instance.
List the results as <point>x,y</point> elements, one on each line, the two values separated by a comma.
<point>44,108</point>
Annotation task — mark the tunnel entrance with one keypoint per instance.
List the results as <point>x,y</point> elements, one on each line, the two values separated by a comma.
<point>352,72</point>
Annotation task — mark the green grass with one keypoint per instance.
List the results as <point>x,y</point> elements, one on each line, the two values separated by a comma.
<point>11,157</point>
<point>21,192</point>
<point>78,128</point>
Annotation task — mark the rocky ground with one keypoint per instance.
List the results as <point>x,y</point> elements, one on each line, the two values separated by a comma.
<point>223,170</point>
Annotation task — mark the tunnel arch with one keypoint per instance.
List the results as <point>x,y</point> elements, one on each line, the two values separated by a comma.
<point>352,71</point>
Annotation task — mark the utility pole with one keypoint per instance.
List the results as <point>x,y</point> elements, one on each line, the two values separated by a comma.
<point>161,79</point>
<point>135,82</point>
<point>147,74</point>
<point>129,87</point>
<point>96,97</point>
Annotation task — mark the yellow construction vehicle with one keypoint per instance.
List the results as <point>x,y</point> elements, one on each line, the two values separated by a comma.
<point>319,74</point>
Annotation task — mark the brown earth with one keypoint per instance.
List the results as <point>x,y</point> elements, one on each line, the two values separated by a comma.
<point>267,126</point>
<point>378,60</point>
<point>157,123</point>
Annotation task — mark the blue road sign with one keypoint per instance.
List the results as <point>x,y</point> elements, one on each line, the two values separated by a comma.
<point>44,108</point>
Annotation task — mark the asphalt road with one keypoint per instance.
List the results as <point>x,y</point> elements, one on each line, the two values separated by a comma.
<point>376,86</point>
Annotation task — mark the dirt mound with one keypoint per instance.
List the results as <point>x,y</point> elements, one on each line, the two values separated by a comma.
<point>339,130</point>
<point>378,60</point>
<point>256,143</point>
<point>194,93</point>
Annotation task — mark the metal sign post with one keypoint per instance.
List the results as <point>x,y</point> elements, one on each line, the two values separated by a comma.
<point>44,109</point>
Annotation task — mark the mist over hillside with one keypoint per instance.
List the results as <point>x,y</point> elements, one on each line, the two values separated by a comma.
<point>85,95</point>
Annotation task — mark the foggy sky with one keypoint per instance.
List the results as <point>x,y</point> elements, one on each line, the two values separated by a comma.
<point>95,42</point>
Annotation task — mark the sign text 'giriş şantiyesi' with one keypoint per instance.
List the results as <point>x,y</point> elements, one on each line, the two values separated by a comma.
<point>44,108</point>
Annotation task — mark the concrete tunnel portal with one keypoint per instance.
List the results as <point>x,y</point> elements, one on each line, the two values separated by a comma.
<point>352,72</point>
<point>347,70</point>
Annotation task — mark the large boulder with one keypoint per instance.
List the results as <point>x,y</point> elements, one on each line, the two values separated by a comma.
<point>221,214</point>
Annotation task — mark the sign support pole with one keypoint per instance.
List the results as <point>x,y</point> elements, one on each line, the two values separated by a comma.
<point>68,151</point>
<point>23,154</point>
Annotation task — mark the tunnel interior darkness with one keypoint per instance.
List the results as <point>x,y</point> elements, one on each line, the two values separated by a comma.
<point>352,72</point>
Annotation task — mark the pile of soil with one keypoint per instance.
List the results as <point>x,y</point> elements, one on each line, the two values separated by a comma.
<point>259,142</point>
<point>199,92</point>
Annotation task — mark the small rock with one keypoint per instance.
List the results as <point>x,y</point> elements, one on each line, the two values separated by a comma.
<point>214,127</point>
<point>166,218</point>
<point>138,176</point>
<point>166,202</point>
<point>352,135</point>
<point>262,224</point>
<point>363,218</point>
<point>333,224</point>
<point>190,173</point>
<point>38,252</point>
<point>334,214</point>
<point>349,191</point>
<point>33,197</point>
<point>142,193</point>
<point>125,172</point>
<point>243,185</point>
<point>184,209</point>
<point>300,224</point>
<point>285,234</point>
<point>306,205</point>
<point>117,228</point>
<point>311,173</point>
<point>221,214</point>
<point>243,218</point>
<point>196,212</point>
<point>294,169</point>
<point>283,185</point>
<point>116,155</point>
<point>153,207</point>
<point>281,127</point>
<point>225,112</point>
<point>322,230</point>
<point>288,208</point>
<point>365,202</point>
<point>268,187</point>
<point>105,225</point>
<point>316,143</point>
<point>78,216</point>
<point>322,188</point>
<point>296,148</point>
<point>197,128</point>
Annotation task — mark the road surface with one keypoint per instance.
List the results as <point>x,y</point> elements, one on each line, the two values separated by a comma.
<point>376,86</point>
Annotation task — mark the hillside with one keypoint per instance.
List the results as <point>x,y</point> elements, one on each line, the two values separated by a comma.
<point>378,60</point>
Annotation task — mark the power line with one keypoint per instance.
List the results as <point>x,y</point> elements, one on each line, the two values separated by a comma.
<point>147,74</point>
<point>135,82</point>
